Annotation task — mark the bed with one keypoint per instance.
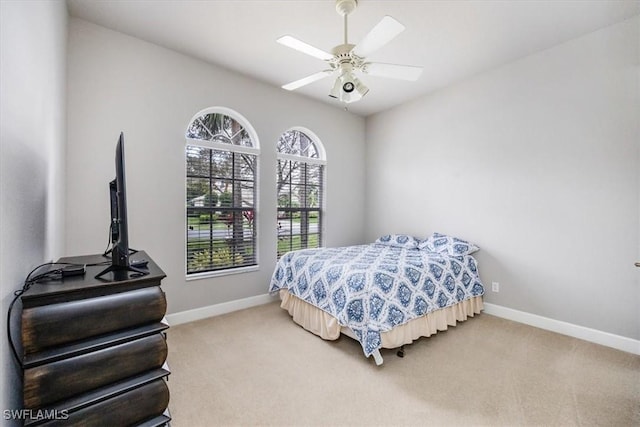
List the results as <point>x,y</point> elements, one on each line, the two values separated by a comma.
<point>385,294</point>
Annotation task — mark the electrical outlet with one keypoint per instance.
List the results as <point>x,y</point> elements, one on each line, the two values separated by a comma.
<point>495,286</point>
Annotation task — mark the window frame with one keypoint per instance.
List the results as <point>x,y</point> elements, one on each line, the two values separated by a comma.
<point>321,160</point>
<point>231,148</point>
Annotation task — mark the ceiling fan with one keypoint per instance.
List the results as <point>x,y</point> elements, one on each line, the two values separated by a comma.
<point>346,59</point>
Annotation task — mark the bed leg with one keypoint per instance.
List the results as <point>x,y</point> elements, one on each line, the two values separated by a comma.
<point>377,357</point>
<point>400,352</point>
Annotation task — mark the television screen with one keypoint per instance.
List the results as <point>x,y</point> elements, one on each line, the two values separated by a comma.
<point>120,267</point>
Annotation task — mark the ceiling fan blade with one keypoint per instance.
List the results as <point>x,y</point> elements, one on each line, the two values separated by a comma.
<point>385,31</point>
<point>393,71</point>
<point>307,80</point>
<point>303,47</point>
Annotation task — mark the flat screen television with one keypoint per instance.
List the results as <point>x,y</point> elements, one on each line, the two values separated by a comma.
<point>120,267</point>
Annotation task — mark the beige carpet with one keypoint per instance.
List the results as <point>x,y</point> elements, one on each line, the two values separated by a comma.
<point>256,367</point>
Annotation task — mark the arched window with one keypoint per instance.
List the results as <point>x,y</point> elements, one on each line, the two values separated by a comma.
<point>221,186</point>
<point>300,180</point>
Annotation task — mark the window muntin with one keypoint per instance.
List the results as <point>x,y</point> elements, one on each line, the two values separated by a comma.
<point>221,194</point>
<point>300,191</point>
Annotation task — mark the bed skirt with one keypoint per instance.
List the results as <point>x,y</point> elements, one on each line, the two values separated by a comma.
<point>327,327</point>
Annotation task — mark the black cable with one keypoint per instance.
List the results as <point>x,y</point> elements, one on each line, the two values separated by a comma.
<point>28,281</point>
<point>55,274</point>
<point>11,344</point>
<point>108,249</point>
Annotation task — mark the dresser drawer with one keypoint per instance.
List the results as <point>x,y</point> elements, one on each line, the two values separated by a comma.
<point>127,409</point>
<point>58,324</point>
<point>46,384</point>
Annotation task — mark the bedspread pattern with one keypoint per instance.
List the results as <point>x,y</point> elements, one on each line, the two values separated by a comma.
<point>373,288</point>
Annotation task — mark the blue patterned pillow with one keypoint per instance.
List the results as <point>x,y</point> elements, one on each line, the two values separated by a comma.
<point>398,240</point>
<point>447,244</point>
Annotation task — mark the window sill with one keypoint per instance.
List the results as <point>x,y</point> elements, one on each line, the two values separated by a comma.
<point>219,273</point>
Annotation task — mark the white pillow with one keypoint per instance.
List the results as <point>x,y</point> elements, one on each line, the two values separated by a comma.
<point>447,244</point>
<point>399,241</point>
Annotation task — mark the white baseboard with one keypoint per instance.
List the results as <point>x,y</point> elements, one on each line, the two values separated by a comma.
<point>593,335</point>
<point>218,309</point>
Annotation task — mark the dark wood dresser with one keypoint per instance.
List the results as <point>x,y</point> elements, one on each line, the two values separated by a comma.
<point>94,351</point>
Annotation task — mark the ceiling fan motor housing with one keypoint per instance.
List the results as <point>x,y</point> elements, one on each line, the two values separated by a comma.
<point>342,54</point>
<point>345,7</point>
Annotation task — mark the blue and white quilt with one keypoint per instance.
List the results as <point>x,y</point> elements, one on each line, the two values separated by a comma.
<point>373,288</point>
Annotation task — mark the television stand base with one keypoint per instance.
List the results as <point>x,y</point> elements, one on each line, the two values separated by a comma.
<point>121,272</point>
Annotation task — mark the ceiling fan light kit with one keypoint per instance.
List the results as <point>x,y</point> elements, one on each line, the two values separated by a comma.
<point>347,59</point>
<point>347,87</point>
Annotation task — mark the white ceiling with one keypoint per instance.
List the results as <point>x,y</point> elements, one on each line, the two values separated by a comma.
<point>452,40</point>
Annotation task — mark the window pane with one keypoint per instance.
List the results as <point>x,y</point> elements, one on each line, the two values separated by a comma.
<point>313,196</point>
<point>248,193</point>
<point>198,130</point>
<point>283,170</point>
<point>242,138</point>
<point>198,161</point>
<point>314,174</point>
<point>245,167</point>
<point>284,196</point>
<point>298,197</point>
<point>221,164</point>
<point>306,147</point>
<point>197,191</point>
<point>298,172</point>
<point>230,126</point>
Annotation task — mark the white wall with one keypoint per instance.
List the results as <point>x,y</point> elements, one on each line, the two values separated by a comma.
<point>538,163</point>
<point>119,83</point>
<point>32,137</point>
